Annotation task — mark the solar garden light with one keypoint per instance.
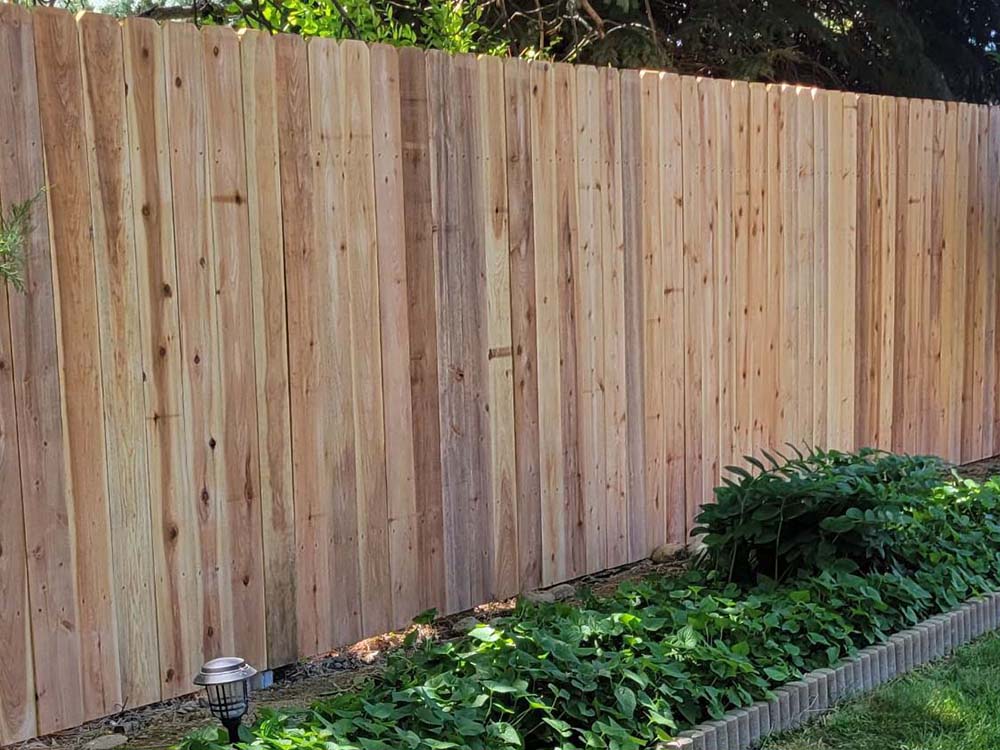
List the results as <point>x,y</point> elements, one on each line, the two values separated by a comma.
<point>227,682</point>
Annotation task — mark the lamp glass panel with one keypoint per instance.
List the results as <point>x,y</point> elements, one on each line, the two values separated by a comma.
<point>228,701</point>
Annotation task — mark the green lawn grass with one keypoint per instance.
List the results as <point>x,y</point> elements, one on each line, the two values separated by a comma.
<point>951,706</point>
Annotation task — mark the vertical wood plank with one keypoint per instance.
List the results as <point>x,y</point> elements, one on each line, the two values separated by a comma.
<point>462,353</point>
<point>988,250</point>
<point>776,177</point>
<point>632,177</point>
<point>803,255</point>
<point>395,331</point>
<point>887,136</point>
<point>826,430</point>
<point>237,445</point>
<point>589,333</point>
<point>869,214</point>
<point>875,314</point>
<point>313,494</point>
<point>174,521</point>
<point>744,268</point>
<point>953,279</point>
<point>18,719</point>
<point>702,307</point>
<point>267,271</point>
<point>121,356</point>
<point>420,272</point>
<point>17,693</point>
<point>500,373</point>
<point>524,335</point>
<point>791,347</point>
<point>760,322</point>
<point>46,492</point>
<point>616,424</point>
<point>975,307</point>
<point>935,435</point>
<point>654,319</point>
<point>721,172</point>
<point>900,334</point>
<point>326,409</point>
<point>201,371</point>
<point>842,125</point>
<point>60,93</point>
<point>567,223</point>
<point>366,360</point>
<point>671,247</point>
<point>555,521</point>
<point>993,237</point>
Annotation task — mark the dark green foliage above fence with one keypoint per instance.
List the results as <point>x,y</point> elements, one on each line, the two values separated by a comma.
<point>920,48</point>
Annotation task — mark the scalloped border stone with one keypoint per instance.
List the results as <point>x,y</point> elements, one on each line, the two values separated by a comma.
<point>820,690</point>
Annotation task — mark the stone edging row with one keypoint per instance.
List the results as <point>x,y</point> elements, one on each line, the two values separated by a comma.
<point>819,690</point>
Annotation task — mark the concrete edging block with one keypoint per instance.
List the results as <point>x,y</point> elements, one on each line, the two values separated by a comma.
<point>763,718</point>
<point>753,724</point>
<point>694,737</point>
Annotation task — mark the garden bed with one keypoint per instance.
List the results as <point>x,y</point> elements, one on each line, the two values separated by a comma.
<point>653,657</point>
<point>807,560</point>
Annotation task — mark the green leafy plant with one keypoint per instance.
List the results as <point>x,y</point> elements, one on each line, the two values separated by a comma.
<point>807,512</point>
<point>14,230</point>
<point>630,669</point>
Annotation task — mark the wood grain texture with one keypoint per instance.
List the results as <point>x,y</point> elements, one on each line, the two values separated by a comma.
<point>554,505</point>
<point>632,175</point>
<point>307,391</point>
<point>745,274</point>
<point>60,94</point>
<point>524,335</point>
<point>205,492</point>
<point>759,348</point>
<point>654,299</point>
<point>589,330</point>
<point>270,328</point>
<point>567,248</point>
<point>18,718</point>
<point>842,119</point>
<point>615,385</point>
<point>359,225</point>
<point>326,277</point>
<point>953,279</point>
<point>237,443</point>
<point>700,141</point>
<point>173,521</point>
<point>394,315</point>
<point>499,337</point>
<point>46,490</point>
<point>457,195</point>
<point>422,308</point>
<point>121,360</point>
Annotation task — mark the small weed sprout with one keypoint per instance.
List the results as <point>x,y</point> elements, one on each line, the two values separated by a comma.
<point>15,226</point>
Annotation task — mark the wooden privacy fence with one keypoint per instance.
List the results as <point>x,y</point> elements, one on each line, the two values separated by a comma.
<point>320,335</point>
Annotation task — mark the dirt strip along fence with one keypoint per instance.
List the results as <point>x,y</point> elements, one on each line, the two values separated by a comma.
<point>320,335</point>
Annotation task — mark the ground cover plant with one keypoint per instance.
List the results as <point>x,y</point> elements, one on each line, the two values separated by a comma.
<point>953,706</point>
<point>788,582</point>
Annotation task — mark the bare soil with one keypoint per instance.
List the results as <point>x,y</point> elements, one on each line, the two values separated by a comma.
<point>162,725</point>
